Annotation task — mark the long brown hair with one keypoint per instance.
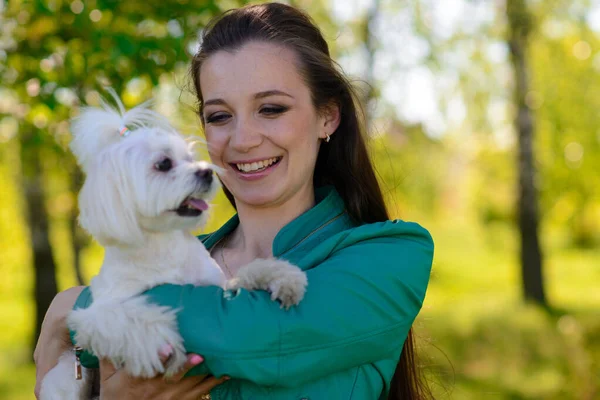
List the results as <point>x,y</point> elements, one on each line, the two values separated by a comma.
<point>344,161</point>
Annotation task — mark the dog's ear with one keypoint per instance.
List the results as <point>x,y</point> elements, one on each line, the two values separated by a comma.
<point>96,128</point>
<point>107,204</point>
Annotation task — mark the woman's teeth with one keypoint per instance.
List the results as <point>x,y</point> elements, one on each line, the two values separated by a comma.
<point>256,166</point>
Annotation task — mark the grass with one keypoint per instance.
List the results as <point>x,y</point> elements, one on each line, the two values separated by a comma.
<point>480,341</point>
<point>477,338</point>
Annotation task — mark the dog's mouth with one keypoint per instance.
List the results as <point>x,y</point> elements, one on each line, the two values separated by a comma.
<point>191,207</point>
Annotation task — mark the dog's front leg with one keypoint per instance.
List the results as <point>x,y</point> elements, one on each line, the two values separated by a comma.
<point>286,282</point>
<point>131,334</point>
<point>60,383</point>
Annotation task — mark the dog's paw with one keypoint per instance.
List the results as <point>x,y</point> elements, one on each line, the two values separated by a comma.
<point>289,290</point>
<point>131,335</point>
<point>146,362</point>
<point>175,362</point>
<point>155,329</point>
<point>235,284</point>
<point>286,282</point>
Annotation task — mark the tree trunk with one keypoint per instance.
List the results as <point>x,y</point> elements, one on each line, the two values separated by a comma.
<point>43,261</point>
<point>78,237</point>
<point>519,21</point>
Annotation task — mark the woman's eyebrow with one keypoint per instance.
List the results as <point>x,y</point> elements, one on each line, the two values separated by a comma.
<point>218,102</point>
<point>268,93</point>
<point>260,95</point>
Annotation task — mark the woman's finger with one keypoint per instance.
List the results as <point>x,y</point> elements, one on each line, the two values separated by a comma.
<point>204,387</point>
<point>192,361</point>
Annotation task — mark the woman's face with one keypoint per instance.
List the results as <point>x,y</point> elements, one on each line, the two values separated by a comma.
<point>261,125</point>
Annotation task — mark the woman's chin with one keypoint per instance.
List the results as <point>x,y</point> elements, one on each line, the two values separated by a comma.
<point>256,197</point>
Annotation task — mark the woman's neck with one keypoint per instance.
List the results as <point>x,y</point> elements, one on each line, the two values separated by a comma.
<point>254,236</point>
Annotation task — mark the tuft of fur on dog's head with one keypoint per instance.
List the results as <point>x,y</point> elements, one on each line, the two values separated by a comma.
<point>142,184</point>
<point>95,128</point>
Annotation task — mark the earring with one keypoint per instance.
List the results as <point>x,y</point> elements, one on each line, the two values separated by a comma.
<point>327,138</point>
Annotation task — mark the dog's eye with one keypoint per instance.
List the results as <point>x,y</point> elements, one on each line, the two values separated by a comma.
<point>164,165</point>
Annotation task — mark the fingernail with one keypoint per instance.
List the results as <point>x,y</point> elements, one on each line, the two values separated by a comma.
<point>166,350</point>
<point>196,359</point>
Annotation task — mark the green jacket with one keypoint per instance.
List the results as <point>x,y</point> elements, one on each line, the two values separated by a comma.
<point>366,285</point>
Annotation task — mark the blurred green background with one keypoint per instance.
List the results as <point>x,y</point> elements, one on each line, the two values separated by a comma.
<point>455,91</point>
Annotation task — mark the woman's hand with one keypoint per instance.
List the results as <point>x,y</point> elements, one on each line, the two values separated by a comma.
<point>116,384</point>
<point>54,336</point>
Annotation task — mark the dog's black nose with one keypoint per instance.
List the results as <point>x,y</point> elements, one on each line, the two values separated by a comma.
<point>205,174</point>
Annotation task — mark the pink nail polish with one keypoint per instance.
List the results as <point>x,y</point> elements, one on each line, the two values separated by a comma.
<point>196,359</point>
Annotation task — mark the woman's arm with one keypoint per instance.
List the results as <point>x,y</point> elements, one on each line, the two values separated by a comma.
<point>54,336</point>
<point>358,308</point>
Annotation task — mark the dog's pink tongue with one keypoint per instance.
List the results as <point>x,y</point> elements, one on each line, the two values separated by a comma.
<point>198,204</point>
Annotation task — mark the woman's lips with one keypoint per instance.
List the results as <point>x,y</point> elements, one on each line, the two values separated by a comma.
<point>255,169</point>
<point>251,166</point>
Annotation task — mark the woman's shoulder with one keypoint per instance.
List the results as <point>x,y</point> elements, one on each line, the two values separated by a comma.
<point>393,232</point>
<point>364,243</point>
<point>396,228</point>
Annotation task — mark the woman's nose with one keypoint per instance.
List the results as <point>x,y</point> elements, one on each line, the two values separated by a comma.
<point>246,135</point>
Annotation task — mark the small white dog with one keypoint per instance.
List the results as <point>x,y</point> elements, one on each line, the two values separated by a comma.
<point>142,195</point>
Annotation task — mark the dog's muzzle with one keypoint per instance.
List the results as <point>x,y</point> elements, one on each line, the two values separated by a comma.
<point>205,175</point>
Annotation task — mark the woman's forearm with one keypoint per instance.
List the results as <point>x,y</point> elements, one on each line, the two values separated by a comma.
<point>54,336</point>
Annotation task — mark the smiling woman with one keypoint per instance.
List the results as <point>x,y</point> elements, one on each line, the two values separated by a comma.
<point>284,125</point>
<point>259,110</point>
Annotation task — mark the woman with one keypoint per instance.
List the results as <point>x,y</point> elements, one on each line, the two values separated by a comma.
<point>282,121</point>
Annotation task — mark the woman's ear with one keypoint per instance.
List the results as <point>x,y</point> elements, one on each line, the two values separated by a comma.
<point>330,119</point>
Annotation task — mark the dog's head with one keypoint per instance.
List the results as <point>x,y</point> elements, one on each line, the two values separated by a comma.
<point>141,176</point>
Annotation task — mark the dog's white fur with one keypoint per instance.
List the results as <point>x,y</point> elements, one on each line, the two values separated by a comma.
<point>128,205</point>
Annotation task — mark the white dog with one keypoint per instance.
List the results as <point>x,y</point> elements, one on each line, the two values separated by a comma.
<point>142,195</point>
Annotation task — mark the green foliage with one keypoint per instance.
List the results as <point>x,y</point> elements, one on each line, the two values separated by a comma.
<point>566,84</point>
<point>494,186</point>
<point>412,170</point>
<point>564,80</point>
<point>59,53</point>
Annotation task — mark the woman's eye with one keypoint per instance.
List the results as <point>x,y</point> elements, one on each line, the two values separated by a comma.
<point>273,110</point>
<point>164,165</point>
<point>216,118</point>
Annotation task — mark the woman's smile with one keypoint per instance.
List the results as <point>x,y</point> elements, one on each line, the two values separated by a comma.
<point>250,170</point>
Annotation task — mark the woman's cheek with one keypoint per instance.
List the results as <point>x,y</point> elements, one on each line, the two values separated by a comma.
<point>215,142</point>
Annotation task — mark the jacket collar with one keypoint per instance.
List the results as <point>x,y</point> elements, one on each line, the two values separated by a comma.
<point>329,206</point>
